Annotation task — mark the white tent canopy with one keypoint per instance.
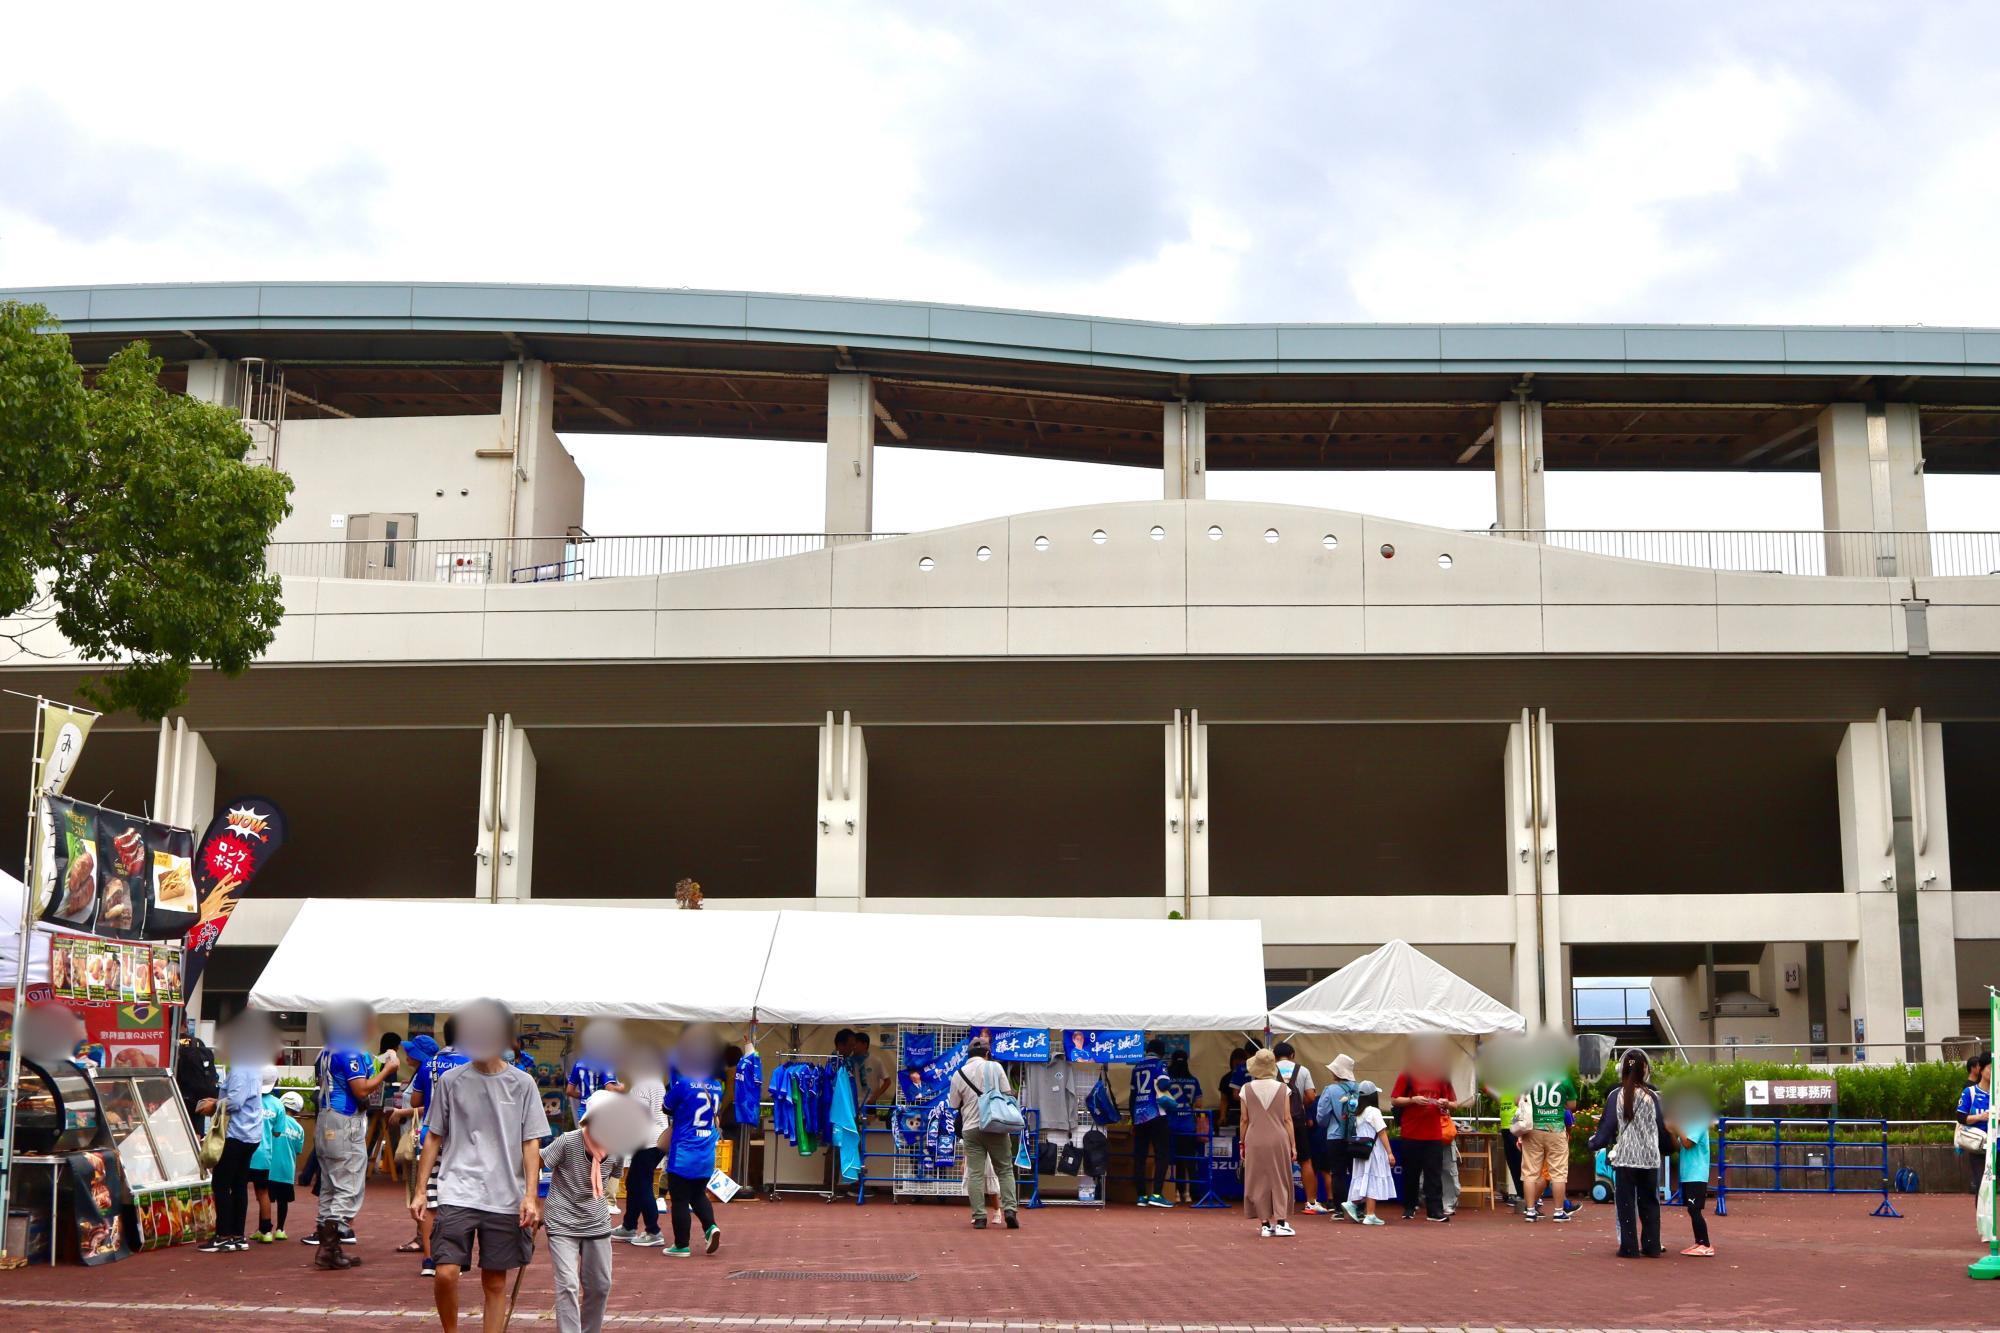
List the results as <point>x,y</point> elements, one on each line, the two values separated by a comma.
<point>13,902</point>
<point>1395,991</point>
<point>1015,971</point>
<point>1372,1008</point>
<point>777,967</point>
<point>536,958</point>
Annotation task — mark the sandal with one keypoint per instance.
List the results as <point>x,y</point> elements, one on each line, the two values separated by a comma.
<point>412,1246</point>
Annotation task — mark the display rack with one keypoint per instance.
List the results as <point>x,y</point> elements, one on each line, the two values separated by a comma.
<point>774,1182</point>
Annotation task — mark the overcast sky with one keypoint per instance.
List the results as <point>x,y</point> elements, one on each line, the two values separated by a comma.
<point>1705,163</point>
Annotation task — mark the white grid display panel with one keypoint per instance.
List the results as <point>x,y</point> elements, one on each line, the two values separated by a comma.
<point>916,1176</point>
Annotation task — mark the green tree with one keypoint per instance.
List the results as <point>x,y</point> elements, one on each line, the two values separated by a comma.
<point>129,520</point>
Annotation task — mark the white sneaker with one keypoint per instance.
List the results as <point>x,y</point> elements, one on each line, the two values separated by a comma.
<point>1315,1207</point>
<point>1283,1229</point>
<point>1265,1231</point>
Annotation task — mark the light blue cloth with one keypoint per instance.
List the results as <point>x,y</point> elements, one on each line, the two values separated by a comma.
<point>846,1129</point>
<point>283,1137</point>
<point>243,1094</point>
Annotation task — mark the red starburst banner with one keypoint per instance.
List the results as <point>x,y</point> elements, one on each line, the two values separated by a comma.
<point>234,848</point>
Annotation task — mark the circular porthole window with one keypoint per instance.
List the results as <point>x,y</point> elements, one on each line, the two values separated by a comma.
<point>1041,543</point>
<point>1329,541</point>
<point>1215,534</point>
<point>1158,534</point>
<point>927,564</point>
<point>1271,535</point>
<point>1444,561</point>
<point>984,553</point>
<point>1098,537</point>
<point>1388,551</point>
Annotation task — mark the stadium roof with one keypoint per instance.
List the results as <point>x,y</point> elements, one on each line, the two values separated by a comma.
<point>745,364</point>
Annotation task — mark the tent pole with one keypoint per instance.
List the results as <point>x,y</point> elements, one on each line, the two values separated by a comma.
<point>21,968</point>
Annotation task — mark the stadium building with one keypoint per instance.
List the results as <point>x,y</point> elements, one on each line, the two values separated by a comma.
<point>1755,768</point>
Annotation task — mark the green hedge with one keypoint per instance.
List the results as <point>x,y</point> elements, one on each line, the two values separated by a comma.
<point>1886,1092</point>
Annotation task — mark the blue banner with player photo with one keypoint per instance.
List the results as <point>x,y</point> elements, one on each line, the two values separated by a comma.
<point>927,1083</point>
<point>1104,1046</point>
<point>1027,1046</point>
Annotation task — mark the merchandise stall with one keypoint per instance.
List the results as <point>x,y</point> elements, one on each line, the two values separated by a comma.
<point>1048,1003</point>
<point>102,1146</point>
<point>797,976</point>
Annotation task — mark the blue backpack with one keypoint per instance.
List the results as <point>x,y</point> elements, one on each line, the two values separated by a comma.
<point>1103,1107</point>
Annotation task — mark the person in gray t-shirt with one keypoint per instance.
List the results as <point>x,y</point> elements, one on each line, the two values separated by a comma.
<point>485,1124</point>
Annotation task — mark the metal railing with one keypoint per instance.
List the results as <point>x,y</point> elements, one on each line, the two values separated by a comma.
<point>541,559</point>
<point>567,558</point>
<point>1848,554</point>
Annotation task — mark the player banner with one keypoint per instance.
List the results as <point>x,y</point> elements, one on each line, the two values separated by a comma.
<point>234,848</point>
<point>1103,1046</point>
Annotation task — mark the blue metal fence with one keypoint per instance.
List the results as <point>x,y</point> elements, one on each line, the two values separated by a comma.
<point>1824,1135</point>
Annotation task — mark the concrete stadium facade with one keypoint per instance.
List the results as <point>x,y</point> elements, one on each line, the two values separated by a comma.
<point>1750,767</point>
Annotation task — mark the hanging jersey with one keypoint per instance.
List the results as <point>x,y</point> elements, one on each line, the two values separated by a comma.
<point>749,1088</point>
<point>1147,1077</point>
<point>336,1067</point>
<point>694,1105</point>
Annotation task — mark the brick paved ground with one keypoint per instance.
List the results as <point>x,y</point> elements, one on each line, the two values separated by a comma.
<point>1793,1264</point>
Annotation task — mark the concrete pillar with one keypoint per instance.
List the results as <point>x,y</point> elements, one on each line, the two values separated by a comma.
<point>1871,476</point>
<point>545,498</point>
<point>1185,823</point>
<point>1868,871</point>
<point>850,453</point>
<point>1184,451</point>
<point>1937,927</point>
<point>1517,466</point>
<point>841,788</point>
<point>504,853</point>
<point>1540,966</point>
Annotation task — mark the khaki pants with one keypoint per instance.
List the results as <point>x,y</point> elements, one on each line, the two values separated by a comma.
<point>981,1147</point>
<point>342,1144</point>
<point>1543,1150</point>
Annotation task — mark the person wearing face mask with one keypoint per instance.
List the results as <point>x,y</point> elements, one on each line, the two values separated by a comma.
<point>1298,1081</point>
<point>486,1126</point>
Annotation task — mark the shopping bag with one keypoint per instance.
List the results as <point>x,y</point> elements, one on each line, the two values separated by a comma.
<point>211,1142</point>
<point>722,1186</point>
<point>1023,1159</point>
<point>1985,1217</point>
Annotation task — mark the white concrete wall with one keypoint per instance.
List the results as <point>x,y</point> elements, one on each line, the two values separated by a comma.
<point>1276,580</point>
<point>395,465</point>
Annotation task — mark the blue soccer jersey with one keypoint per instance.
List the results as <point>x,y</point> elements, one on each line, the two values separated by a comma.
<point>338,1066</point>
<point>694,1106</point>
<point>1148,1076</point>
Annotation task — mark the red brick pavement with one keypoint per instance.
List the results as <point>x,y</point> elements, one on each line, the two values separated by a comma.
<point>1784,1264</point>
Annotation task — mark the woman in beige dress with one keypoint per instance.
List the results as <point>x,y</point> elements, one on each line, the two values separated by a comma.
<point>1268,1147</point>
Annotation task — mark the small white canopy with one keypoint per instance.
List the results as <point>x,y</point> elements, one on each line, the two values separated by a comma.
<point>1372,1009</point>
<point>536,958</point>
<point>1396,991</point>
<point>1015,971</point>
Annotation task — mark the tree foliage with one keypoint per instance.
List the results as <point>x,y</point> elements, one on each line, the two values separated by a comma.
<point>130,520</point>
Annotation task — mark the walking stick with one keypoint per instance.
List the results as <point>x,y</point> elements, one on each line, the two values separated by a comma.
<point>514,1293</point>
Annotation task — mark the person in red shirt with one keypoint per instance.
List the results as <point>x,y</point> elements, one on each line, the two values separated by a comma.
<point>1422,1095</point>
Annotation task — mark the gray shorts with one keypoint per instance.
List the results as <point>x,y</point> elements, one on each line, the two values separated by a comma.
<point>503,1245</point>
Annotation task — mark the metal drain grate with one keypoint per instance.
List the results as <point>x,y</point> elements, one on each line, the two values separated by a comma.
<point>811,1275</point>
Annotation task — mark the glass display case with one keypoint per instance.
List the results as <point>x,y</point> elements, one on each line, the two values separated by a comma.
<point>58,1109</point>
<point>156,1143</point>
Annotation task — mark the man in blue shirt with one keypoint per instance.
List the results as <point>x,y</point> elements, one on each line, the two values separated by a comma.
<point>694,1116</point>
<point>347,1075</point>
<point>1232,1087</point>
<point>242,1101</point>
<point>1151,1131</point>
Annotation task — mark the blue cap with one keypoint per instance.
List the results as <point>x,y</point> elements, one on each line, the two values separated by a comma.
<point>420,1048</point>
